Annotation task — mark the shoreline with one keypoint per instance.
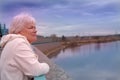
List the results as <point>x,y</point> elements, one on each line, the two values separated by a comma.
<point>50,48</point>
<point>49,45</point>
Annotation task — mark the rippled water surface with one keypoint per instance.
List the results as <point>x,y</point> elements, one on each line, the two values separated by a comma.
<point>91,62</point>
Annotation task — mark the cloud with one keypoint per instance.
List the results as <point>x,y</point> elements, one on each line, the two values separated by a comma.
<point>41,4</point>
<point>66,16</point>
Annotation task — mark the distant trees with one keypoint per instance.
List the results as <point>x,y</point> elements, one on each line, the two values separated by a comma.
<point>76,36</point>
<point>63,38</point>
<point>54,37</point>
<point>3,30</point>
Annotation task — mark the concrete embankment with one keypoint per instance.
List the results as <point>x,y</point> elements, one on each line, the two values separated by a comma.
<point>55,73</point>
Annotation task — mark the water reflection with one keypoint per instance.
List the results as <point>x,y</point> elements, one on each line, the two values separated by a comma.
<point>91,62</point>
<point>82,50</point>
<point>97,46</point>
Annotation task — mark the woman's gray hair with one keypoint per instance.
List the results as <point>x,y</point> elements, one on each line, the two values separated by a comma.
<point>19,22</point>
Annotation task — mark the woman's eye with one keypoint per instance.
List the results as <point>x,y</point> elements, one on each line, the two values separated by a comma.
<point>31,27</point>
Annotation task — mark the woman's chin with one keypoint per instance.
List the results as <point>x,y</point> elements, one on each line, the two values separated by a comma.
<point>33,40</point>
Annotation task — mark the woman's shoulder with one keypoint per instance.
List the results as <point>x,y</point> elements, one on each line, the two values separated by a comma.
<point>19,41</point>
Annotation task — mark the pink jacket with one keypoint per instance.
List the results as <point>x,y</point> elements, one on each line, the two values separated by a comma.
<point>18,61</point>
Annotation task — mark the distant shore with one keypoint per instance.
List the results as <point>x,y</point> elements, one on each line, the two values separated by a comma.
<point>50,47</point>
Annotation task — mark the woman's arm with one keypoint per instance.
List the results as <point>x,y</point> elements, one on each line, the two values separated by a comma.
<point>28,62</point>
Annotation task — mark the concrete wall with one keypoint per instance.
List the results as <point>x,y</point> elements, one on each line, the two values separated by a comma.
<point>55,73</point>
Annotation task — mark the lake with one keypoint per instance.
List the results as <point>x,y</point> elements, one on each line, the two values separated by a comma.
<point>96,61</point>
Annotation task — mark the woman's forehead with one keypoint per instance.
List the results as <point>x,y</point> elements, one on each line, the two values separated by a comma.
<point>31,24</point>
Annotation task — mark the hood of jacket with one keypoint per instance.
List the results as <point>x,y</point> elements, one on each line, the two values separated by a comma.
<point>6,38</point>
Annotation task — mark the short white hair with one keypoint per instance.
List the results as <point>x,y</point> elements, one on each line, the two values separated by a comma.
<point>19,22</point>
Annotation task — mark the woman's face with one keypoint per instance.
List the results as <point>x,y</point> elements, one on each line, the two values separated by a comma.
<point>29,31</point>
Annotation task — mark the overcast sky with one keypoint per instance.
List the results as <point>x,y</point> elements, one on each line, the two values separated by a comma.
<point>66,17</point>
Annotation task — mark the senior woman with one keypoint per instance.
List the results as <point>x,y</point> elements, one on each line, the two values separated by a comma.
<point>18,60</point>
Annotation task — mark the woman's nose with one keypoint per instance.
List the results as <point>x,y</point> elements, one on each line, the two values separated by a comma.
<point>35,30</point>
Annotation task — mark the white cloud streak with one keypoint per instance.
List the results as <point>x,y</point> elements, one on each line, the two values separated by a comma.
<point>67,17</point>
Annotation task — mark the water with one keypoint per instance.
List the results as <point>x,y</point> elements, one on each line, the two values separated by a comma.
<point>91,62</point>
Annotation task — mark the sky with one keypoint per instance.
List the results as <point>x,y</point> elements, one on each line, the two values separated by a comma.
<point>66,17</point>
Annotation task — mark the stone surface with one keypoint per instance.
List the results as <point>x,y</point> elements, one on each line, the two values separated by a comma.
<point>55,73</point>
